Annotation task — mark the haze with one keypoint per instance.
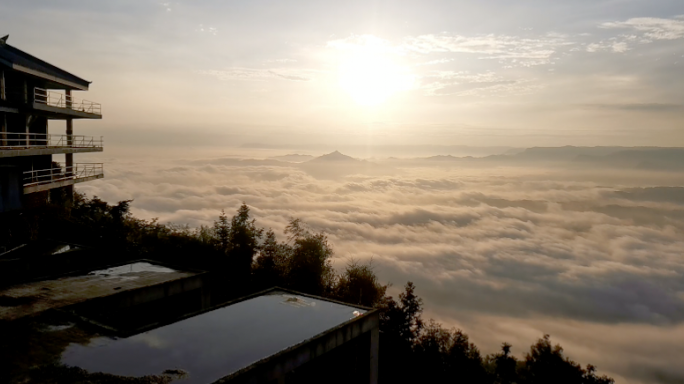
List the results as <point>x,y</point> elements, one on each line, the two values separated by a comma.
<point>398,72</point>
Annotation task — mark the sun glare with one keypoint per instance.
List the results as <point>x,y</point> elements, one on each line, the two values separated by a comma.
<point>370,79</point>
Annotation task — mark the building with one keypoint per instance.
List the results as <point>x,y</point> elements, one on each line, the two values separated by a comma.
<point>33,93</point>
<point>149,322</point>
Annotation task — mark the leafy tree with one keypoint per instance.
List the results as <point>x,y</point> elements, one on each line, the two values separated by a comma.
<point>545,363</point>
<point>358,284</point>
<point>591,378</point>
<point>505,366</point>
<point>465,360</point>
<point>243,242</point>
<point>431,353</point>
<point>204,234</point>
<point>121,211</point>
<point>270,267</point>
<point>310,268</point>
<point>221,235</point>
<point>400,327</point>
<point>402,320</point>
<point>412,308</point>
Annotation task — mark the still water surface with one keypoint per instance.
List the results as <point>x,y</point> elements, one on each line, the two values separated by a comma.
<point>216,343</point>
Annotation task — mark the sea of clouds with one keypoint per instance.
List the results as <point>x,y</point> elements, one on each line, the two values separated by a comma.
<point>592,257</point>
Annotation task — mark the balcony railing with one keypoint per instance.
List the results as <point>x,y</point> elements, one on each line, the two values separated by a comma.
<point>62,173</point>
<point>16,140</point>
<point>61,100</point>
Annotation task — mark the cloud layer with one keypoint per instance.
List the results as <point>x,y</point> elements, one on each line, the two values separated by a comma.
<point>524,251</point>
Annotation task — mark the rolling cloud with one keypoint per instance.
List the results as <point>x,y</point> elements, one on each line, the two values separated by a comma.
<point>545,249</point>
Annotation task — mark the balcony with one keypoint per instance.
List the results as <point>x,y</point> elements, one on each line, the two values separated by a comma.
<point>60,100</point>
<point>61,176</point>
<point>13,144</point>
<point>54,104</point>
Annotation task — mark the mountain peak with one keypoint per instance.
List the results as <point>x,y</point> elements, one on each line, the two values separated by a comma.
<point>336,156</point>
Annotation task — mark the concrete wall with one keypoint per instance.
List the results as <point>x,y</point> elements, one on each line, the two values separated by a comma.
<point>151,293</point>
<point>11,188</point>
<point>279,368</point>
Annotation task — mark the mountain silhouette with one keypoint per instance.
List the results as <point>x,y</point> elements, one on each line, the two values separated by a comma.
<point>333,157</point>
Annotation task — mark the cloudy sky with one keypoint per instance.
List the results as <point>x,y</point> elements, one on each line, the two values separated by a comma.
<point>523,73</point>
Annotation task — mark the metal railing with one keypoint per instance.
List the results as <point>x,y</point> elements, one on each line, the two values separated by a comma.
<point>61,100</point>
<point>61,173</point>
<point>22,140</point>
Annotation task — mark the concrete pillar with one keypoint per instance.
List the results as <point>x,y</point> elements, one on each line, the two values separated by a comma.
<point>69,157</point>
<point>26,95</point>
<point>28,130</point>
<point>70,137</point>
<point>374,355</point>
<point>3,96</point>
<point>3,129</point>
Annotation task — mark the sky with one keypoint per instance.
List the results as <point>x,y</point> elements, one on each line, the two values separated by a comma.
<point>524,73</point>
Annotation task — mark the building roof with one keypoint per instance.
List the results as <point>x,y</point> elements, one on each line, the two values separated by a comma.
<point>217,343</point>
<point>205,347</point>
<point>21,61</point>
<point>31,298</point>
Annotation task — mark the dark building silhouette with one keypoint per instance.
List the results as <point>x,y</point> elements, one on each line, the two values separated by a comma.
<point>32,93</point>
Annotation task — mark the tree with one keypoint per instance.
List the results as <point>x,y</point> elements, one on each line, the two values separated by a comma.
<point>412,308</point>
<point>204,234</point>
<point>400,327</point>
<point>221,235</point>
<point>310,268</point>
<point>591,378</point>
<point>465,360</point>
<point>505,366</point>
<point>402,320</point>
<point>431,353</point>
<point>270,267</point>
<point>121,211</point>
<point>545,364</point>
<point>358,284</point>
<point>243,242</point>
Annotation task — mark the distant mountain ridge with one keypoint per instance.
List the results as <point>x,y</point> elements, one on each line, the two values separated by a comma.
<point>643,158</point>
<point>293,158</point>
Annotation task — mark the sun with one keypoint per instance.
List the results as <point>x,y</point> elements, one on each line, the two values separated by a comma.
<point>372,78</point>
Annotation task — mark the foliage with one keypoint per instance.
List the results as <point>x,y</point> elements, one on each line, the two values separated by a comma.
<point>400,327</point>
<point>401,320</point>
<point>221,233</point>
<point>545,364</point>
<point>505,365</point>
<point>243,243</point>
<point>271,265</point>
<point>309,267</point>
<point>358,284</point>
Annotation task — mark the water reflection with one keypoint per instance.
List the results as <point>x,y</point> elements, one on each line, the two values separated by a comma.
<point>216,343</point>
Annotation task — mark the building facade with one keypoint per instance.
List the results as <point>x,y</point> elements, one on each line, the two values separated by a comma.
<point>33,93</point>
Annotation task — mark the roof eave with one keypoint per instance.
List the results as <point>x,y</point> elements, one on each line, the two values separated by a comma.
<point>67,83</point>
